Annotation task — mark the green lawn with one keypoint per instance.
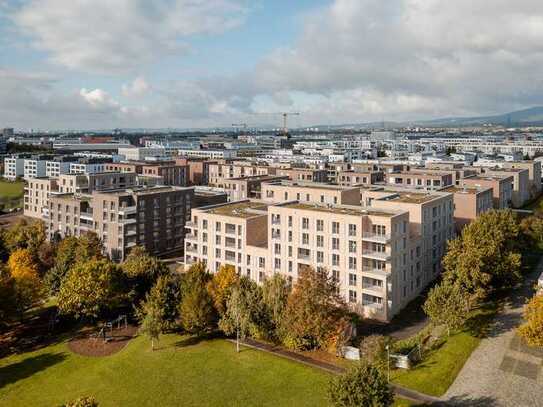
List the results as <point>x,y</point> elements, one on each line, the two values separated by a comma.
<point>181,372</point>
<point>437,371</point>
<point>11,193</point>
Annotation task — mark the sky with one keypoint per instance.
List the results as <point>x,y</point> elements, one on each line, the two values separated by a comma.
<point>98,64</point>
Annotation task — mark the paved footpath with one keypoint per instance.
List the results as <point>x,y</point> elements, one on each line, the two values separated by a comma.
<point>502,371</point>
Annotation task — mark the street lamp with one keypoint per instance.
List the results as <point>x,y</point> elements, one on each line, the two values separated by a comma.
<point>388,363</point>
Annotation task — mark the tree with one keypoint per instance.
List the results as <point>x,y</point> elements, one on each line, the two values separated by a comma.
<point>486,256</point>
<point>448,304</point>
<point>373,349</point>
<point>16,236</point>
<point>167,293</point>
<point>532,230</point>
<point>196,309</point>
<point>89,289</point>
<point>142,271</point>
<point>221,285</point>
<point>532,329</point>
<point>275,293</point>
<point>8,296</point>
<point>151,317</point>
<point>237,316</point>
<point>64,261</point>
<point>24,271</point>
<point>362,386</point>
<point>314,310</point>
<point>89,248</point>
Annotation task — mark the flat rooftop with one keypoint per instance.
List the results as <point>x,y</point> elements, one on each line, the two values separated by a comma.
<point>262,177</point>
<point>308,185</point>
<point>410,197</point>
<point>467,190</point>
<point>341,210</point>
<point>487,177</point>
<point>243,209</point>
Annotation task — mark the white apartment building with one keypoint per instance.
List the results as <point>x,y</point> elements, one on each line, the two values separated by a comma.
<point>13,167</point>
<point>207,154</point>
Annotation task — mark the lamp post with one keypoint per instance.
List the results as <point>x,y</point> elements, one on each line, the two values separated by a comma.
<point>388,363</point>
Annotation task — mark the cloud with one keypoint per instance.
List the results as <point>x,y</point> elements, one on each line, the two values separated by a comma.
<point>107,36</point>
<point>137,88</point>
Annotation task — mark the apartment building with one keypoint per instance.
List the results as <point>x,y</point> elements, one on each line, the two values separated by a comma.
<point>521,182</point>
<point>352,178</point>
<point>469,203</point>
<point>221,171</point>
<point>428,180</point>
<point>304,174</point>
<point>89,166</point>
<point>167,173</point>
<point>198,170</point>
<point>458,170</point>
<point>37,192</point>
<point>124,167</point>
<point>59,165</point>
<point>150,217</point>
<point>502,188</point>
<point>247,187</point>
<point>208,154</point>
<point>382,255</point>
<point>13,167</point>
<point>534,174</point>
<point>286,190</point>
<point>87,183</point>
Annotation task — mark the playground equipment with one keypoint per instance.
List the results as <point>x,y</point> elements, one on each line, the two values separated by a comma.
<point>109,327</point>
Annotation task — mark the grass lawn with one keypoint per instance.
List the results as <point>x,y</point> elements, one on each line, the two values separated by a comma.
<point>437,371</point>
<point>9,191</point>
<point>181,372</point>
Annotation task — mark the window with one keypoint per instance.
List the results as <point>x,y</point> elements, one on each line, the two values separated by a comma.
<point>322,198</point>
<point>352,230</point>
<point>305,238</point>
<point>352,246</point>
<point>320,225</point>
<point>335,243</point>
<point>320,241</point>
<point>335,259</point>
<point>277,248</point>
<point>290,251</point>
<point>217,239</point>
<point>217,252</point>
<point>290,267</point>
<point>335,227</point>
<point>352,263</point>
<point>352,279</point>
<point>277,263</point>
<point>352,296</point>
<point>290,221</point>
<point>204,223</point>
<point>305,223</point>
<point>218,226</point>
<point>290,235</point>
<point>320,257</point>
<point>261,262</point>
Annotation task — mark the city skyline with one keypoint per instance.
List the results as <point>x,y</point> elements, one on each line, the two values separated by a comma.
<point>83,65</point>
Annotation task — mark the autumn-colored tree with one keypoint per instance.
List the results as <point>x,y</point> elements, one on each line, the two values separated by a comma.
<point>220,285</point>
<point>449,305</point>
<point>486,256</point>
<point>8,296</point>
<point>26,235</point>
<point>364,385</point>
<point>532,329</point>
<point>89,248</point>
<point>314,310</point>
<point>89,289</point>
<point>532,230</point>
<point>24,271</point>
<point>142,271</point>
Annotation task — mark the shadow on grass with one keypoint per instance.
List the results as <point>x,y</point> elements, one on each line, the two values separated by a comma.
<point>20,370</point>
<point>195,340</point>
<point>468,401</point>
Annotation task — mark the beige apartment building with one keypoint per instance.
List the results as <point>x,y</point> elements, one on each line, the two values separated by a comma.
<point>352,178</point>
<point>304,174</point>
<point>469,203</point>
<point>247,187</point>
<point>37,192</point>
<point>521,182</point>
<point>534,174</point>
<point>223,170</point>
<point>502,188</point>
<point>382,255</point>
<point>150,217</point>
<point>282,191</point>
<point>428,180</point>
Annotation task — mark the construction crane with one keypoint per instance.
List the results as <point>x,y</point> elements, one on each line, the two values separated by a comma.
<point>285,117</point>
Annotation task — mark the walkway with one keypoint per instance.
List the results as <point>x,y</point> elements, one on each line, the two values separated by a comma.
<point>330,368</point>
<point>502,371</point>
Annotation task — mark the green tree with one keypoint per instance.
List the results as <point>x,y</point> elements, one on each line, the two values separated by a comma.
<point>448,304</point>
<point>313,312</point>
<point>142,271</point>
<point>532,329</point>
<point>64,261</point>
<point>532,230</point>
<point>167,292</point>
<point>221,285</point>
<point>151,317</point>
<point>486,256</point>
<point>237,316</point>
<point>8,296</point>
<point>275,292</point>
<point>196,309</point>
<point>362,386</point>
<point>89,289</point>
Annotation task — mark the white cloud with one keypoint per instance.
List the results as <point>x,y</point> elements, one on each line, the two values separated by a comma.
<point>108,36</point>
<point>137,88</point>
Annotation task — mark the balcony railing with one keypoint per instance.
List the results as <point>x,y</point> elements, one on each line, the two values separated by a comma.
<point>376,288</point>
<point>374,305</point>
<point>375,271</point>
<point>372,254</point>
<point>125,210</point>
<point>374,237</point>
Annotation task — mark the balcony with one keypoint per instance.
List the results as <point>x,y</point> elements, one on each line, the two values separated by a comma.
<point>191,225</point>
<point>372,254</point>
<point>276,221</point>
<point>374,288</point>
<point>191,249</point>
<point>276,235</point>
<point>230,244</point>
<point>191,237</point>
<point>373,237</point>
<point>86,216</point>
<point>128,221</point>
<point>373,305</point>
<point>304,256</point>
<point>382,273</point>
<point>126,210</point>
<point>131,232</point>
